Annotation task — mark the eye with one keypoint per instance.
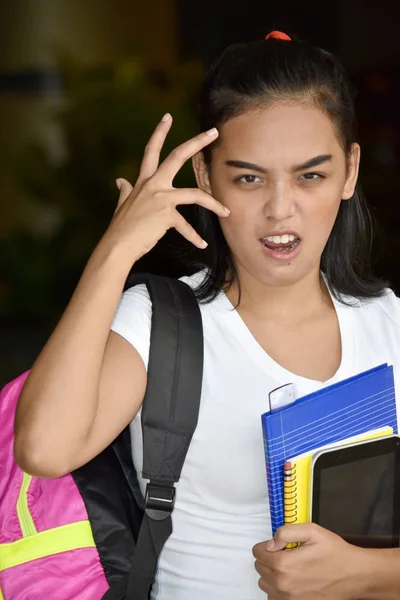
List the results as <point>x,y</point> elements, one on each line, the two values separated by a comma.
<point>249,179</point>
<point>311,176</point>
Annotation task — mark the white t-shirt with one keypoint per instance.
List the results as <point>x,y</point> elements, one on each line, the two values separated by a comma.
<point>222,507</point>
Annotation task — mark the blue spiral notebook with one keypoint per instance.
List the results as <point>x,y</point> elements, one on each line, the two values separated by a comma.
<point>349,407</point>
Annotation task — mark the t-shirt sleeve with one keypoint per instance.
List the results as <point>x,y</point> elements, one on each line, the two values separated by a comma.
<point>132,320</point>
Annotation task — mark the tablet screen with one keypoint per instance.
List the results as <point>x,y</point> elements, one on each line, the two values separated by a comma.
<point>357,496</point>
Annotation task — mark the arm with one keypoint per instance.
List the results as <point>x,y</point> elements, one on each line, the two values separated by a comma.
<point>380,579</point>
<point>87,384</point>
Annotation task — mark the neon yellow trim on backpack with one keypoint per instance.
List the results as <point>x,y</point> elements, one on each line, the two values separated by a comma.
<point>24,516</point>
<point>46,543</point>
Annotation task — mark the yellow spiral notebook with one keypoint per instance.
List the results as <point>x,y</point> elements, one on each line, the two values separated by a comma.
<point>297,477</point>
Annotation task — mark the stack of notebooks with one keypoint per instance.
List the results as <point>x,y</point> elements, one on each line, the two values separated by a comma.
<point>362,407</point>
<point>297,476</point>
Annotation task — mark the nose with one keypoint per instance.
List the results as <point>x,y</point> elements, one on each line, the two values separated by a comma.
<point>279,202</point>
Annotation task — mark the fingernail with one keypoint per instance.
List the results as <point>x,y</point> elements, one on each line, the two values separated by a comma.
<point>212,132</point>
<point>166,117</point>
<point>118,183</point>
<point>227,211</point>
<point>204,244</point>
<point>270,545</point>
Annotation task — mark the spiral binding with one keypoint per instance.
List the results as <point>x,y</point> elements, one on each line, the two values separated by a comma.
<point>290,497</point>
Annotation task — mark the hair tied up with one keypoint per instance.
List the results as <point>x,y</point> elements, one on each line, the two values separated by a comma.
<point>278,35</point>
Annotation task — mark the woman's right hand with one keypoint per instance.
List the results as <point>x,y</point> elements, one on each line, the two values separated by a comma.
<point>146,211</point>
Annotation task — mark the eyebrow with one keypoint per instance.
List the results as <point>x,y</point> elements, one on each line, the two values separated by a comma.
<point>312,162</point>
<point>240,164</point>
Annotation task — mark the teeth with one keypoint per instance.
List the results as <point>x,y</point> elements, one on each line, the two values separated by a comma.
<point>280,239</point>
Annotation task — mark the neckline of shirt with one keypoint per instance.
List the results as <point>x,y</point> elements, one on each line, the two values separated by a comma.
<point>236,326</point>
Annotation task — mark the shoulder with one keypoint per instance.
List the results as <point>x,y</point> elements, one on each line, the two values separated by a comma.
<point>375,319</point>
<point>385,308</point>
<point>132,319</point>
<point>195,280</point>
<point>134,307</point>
<point>210,309</point>
<point>137,299</point>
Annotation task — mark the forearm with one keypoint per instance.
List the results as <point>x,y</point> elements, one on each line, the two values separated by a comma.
<point>381,574</point>
<point>58,404</point>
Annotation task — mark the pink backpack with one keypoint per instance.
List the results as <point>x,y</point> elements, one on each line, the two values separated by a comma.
<point>47,548</point>
<point>77,537</point>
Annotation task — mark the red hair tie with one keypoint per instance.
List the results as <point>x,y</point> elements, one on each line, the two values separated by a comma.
<point>278,35</point>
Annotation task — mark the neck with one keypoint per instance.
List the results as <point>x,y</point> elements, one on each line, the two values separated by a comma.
<point>289,301</point>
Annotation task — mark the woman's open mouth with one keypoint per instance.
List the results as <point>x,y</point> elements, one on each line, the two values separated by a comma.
<point>282,247</point>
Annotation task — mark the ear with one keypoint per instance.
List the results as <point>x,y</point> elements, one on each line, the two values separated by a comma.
<point>201,172</point>
<point>352,171</point>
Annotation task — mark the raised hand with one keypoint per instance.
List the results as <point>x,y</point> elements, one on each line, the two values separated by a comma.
<point>147,210</point>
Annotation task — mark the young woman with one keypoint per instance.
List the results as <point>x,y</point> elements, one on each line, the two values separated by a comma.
<point>286,295</point>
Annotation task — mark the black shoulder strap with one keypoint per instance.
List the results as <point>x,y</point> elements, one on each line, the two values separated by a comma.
<point>169,416</point>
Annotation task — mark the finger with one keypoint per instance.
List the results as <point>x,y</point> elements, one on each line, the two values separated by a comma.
<point>264,571</point>
<point>268,589</point>
<point>171,165</point>
<point>187,231</point>
<point>153,149</point>
<point>259,550</point>
<point>267,558</point>
<point>306,533</point>
<point>267,581</point>
<point>125,189</point>
<point>196,196</point>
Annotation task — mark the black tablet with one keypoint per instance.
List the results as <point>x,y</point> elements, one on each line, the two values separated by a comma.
<point>356,492</point>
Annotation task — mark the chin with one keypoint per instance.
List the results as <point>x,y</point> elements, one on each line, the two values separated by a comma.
<point>281,275</point>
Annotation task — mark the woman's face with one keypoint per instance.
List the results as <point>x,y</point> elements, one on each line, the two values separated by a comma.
<point>283,174</point>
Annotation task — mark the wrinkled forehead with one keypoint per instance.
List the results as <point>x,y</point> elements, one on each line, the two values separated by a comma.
<point>279,136</point>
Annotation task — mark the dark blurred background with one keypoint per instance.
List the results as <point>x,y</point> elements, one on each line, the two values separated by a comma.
<point>82,85</point>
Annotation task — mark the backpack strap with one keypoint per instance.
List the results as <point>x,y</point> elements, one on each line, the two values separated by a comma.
<point>169,416</point>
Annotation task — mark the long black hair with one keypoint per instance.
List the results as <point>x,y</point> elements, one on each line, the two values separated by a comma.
<point>253,75</point>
